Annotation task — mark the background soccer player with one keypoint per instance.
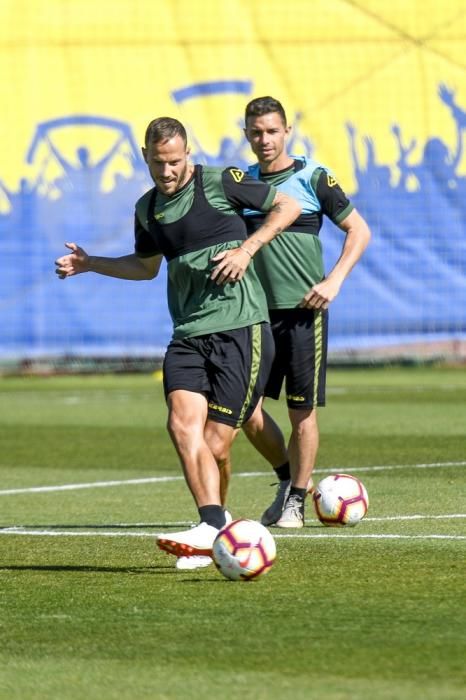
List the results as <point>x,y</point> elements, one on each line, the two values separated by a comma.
<point>298,295</point>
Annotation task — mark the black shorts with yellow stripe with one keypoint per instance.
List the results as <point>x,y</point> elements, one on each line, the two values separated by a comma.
<point>300,356</point>
<point>229,368</point>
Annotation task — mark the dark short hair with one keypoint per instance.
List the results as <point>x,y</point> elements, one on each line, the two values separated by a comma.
<point>264,105</point>
<point>164,128</point>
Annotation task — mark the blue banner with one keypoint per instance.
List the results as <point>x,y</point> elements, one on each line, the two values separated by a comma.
<point>389,120</point>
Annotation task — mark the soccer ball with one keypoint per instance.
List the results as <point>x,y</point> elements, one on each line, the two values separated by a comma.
<point>243,550</point>
<point>340,500</point>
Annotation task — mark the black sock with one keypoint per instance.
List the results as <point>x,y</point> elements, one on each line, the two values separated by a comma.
<point>283,472</point>
<point>294,491</point>
<point>212,515</point>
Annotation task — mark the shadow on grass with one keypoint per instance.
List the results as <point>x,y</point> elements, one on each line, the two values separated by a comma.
<point>132,570</point>
<point>93,526</point>
<point>71,568</point>
<point>157,527</point>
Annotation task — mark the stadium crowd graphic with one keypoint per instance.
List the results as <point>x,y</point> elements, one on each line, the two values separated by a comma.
<point>416,210</point>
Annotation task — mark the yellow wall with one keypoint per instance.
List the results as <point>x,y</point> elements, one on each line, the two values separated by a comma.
<point>369,62</point>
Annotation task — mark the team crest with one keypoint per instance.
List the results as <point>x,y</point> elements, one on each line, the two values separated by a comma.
<point>236,174</point>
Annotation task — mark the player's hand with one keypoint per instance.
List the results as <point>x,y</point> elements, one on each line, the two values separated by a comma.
<point>232,264</point>
<point>320,295</point>
<point>72,264</point>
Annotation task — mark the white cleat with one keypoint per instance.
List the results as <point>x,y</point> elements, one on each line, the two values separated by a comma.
<point>190,563</point>
<point>274,511</point>
<point>197,541</point>
<point>188,543</point>
<point>293,513</point>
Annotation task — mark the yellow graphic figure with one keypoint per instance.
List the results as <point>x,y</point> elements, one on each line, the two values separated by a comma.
<point>236,174</point>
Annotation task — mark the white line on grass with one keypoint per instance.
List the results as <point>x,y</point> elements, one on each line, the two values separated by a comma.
<point>92,485</point>
<point>416,517</point>
<point>376,537</point>
<point>330,535</point>
<point>190,523</point>
<point>162,479</point>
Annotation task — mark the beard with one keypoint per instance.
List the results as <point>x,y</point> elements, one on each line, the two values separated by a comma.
<point>172,186</point>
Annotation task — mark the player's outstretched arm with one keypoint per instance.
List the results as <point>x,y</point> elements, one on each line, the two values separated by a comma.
<point>129,267</point>
<point>356,241</point>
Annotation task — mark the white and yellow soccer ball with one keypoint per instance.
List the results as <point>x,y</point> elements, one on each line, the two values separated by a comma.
<point>340,500</point>
<point>244,550</point>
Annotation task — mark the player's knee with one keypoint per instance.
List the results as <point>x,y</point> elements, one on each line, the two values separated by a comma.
<point>219,448</point>
<point>179,428</point>
<point>303,421</point>
<point>254,424</point>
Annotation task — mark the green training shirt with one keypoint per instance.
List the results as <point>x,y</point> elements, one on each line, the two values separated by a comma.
<point>293,262</point>
<point>189,229</point>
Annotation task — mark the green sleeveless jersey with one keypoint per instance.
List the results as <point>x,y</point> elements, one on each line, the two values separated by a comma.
<point>293,262</point>
<point>189,229</point>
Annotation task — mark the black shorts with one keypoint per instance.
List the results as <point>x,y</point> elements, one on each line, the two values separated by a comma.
<point>229,368</point>
<point>300,356</point>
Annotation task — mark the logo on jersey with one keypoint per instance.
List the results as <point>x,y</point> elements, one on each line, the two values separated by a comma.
<point>331,182</point>
<point>236,174</point>
<point>299,399</point>
<point>220,409</point>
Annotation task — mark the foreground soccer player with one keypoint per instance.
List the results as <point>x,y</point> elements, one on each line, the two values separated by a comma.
<point>219,358</point>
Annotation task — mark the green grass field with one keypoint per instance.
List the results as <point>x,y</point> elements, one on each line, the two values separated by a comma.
<point>90,609</point>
